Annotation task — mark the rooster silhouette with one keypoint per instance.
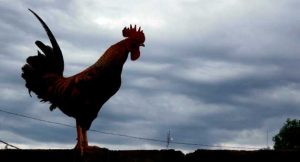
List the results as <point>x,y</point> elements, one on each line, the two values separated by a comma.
<point>80,96</point>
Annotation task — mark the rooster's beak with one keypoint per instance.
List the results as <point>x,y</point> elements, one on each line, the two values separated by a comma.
<point>143,45</point>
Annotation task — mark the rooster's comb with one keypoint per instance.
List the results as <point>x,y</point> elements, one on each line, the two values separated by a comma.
<point>133,33</point>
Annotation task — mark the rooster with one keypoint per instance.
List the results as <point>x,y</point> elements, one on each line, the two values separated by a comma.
<point>80,96</point>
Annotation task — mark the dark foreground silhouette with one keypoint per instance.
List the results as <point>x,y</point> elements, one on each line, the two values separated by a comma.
<point>80,96</point>
<point>105,155</point>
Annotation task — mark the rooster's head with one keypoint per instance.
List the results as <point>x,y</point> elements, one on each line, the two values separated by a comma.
<point>136,38</point>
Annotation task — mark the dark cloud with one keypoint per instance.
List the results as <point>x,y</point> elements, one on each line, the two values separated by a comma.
<point>212,73</point>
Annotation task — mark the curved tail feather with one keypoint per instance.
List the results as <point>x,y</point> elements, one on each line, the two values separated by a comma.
<point>42,70</point>
<point>55,53</point>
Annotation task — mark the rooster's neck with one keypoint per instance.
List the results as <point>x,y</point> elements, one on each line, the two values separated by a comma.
<point>116,55</point>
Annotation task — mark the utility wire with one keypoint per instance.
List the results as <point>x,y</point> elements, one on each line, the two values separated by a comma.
<point>71,126</point>
<point>124,135</point>
<point>37,119</point>
<point>7,144</point>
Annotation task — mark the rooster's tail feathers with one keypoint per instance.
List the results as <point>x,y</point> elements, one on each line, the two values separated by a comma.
<point>49,62</point>
<point>54,54</point>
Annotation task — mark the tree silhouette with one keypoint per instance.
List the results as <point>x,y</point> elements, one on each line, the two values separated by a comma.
<point>288,136</point>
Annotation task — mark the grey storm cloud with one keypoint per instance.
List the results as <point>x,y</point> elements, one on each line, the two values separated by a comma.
<point>219,73</point>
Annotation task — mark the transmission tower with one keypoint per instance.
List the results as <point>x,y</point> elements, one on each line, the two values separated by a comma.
<point>169,139</point>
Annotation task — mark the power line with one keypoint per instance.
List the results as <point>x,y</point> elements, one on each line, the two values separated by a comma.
<point>8,145</point>
<point>37,119</point>
<point>67,125</point>
<point>128,136</point>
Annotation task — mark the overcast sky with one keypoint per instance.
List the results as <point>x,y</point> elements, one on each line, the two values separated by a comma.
<point>213,72</point>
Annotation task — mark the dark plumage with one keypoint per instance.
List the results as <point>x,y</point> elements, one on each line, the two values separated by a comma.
<point>80,96</point>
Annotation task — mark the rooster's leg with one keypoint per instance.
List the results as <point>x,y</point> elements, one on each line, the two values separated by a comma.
<point>79,138</point>
<point>85,138</point>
